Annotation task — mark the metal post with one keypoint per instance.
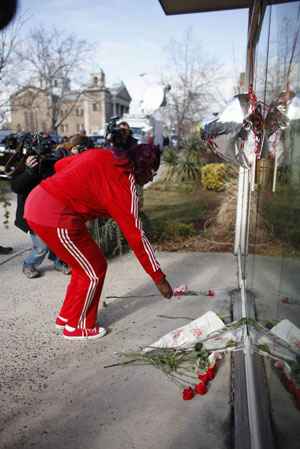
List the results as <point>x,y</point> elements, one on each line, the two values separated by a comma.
<point>242,209</point>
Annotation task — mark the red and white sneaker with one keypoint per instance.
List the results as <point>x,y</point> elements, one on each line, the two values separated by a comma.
<point>60,322</point>
<point>83,334</point>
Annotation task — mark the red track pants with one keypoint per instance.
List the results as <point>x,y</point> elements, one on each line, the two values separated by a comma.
<point>77,249</point>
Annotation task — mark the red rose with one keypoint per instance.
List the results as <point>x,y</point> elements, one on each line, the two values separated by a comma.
<point>200,388</point>
<point>210,373</point>
<point>187,394</point>
<point>210,293</point>
<point>291,386</point>
<point>203,377</point>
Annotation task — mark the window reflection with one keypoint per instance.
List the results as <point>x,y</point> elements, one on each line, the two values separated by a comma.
<point>274,264</point>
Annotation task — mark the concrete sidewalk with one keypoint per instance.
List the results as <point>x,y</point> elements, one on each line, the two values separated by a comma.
<point>56,393</point>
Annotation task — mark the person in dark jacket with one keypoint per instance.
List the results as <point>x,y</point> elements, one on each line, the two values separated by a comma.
<point>22,183</point>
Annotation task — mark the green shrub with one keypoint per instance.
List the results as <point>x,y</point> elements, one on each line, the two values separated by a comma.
<point>213,177</point>
<point>175,230</point>
<point>162,230</point>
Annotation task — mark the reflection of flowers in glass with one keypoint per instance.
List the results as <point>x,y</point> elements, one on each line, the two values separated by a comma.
<point>297,343</point>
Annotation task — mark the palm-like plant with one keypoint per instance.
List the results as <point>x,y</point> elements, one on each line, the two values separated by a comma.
<point>183,168</point>
<point>170,158</point>
<point>187,169</point>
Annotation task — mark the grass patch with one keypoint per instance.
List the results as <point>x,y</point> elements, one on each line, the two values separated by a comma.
<point>282,212</point>
<point>176,212</point>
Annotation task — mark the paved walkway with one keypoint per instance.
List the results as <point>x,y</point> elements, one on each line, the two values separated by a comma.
<point>56,393</point>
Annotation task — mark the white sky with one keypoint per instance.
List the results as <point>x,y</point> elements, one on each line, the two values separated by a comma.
<point>130,36</point>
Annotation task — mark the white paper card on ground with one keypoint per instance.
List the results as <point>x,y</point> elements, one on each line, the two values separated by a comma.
<point>192,333</point>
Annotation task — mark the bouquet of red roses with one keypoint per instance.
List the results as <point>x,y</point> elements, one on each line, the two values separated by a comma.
<point>190,368</point>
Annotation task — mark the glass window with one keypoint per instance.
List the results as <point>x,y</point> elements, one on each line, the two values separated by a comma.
<point>274,260</point>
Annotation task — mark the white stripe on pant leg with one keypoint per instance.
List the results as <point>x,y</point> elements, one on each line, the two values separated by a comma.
<point>94,278</point>
<point>87,268</point>
<point>147,247</point>
<point>149,250</point>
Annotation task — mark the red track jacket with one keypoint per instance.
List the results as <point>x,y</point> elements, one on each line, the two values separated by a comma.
<point>95,183</point>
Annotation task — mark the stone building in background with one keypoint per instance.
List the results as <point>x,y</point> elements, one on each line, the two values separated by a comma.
<point>88,109</point>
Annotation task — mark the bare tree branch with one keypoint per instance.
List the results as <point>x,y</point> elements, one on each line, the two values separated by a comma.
<point>193,77</point>
<point>52,59</point>
<point>9,41</point>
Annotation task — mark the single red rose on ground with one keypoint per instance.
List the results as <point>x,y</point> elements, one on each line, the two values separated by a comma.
<point>187,394</point>
<point>203,377</point>
<point>210,373</point>
<point>200,388</point>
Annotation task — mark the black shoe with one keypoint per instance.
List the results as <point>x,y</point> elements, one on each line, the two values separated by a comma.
<point>5,249</point>
<point>31,272</point>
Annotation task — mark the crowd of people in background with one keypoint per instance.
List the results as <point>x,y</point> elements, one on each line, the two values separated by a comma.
<point>26,172</point>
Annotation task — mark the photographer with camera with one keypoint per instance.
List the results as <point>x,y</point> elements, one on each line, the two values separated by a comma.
<point>95,183</point>
<point>36,162</point>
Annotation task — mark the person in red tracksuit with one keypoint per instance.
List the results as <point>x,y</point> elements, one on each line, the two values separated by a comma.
<point>97,182</point>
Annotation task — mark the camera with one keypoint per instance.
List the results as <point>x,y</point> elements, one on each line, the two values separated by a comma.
<point>118,137</point>
<point>23,145</point>
<point>39,145</point>
<point>111,128</point>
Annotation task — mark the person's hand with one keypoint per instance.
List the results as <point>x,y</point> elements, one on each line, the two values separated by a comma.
<point>165,289</point>
<point>31,161</point>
